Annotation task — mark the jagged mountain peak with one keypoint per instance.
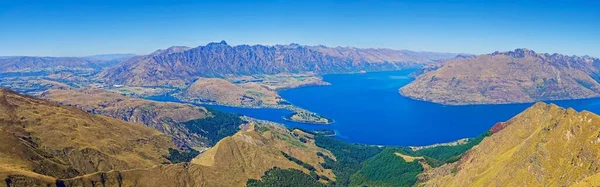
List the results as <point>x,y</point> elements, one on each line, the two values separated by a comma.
<point>222,42</point>
<point>517,53</point>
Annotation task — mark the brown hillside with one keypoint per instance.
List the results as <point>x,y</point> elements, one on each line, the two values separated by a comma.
<point>543,146</point>
<point>40,141</point>
<point>234,160</point>
<point>163,116</point>
<point>220,91</point>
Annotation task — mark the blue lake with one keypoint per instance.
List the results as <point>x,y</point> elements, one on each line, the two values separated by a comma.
<point>367,108</point>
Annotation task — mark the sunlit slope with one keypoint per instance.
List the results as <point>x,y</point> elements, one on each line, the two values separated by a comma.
<point>231,162</point>
<point>543,146</point>
<point>40,141</point>
<point>166,117</point>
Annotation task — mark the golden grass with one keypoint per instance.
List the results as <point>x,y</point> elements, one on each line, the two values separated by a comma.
<point>544,145</point>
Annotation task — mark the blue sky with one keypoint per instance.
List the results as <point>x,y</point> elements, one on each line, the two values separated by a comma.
<point>86,27</point>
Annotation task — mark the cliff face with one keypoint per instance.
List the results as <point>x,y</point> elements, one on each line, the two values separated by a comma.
<point>182,65</point>
<point>165,117</point>
<point>543,146</point>
<point>40,141</point>
<point>518,76</point>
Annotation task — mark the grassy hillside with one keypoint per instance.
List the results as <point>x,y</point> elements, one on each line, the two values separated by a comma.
<point>544,145</point>
<point>40,140</point>
<point>164,116</point>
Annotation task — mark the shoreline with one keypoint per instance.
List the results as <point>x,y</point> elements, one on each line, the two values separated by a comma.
<point>287,118</point>
<point>294,109</point>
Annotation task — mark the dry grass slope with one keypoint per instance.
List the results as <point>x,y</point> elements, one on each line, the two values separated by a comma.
<point>163,116</point>
<point>40,141</point>
<point>234,160</point>
<point>221,91</point>
<point>543,146</point>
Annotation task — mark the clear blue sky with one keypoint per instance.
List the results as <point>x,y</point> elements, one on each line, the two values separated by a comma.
<point>86,27</point>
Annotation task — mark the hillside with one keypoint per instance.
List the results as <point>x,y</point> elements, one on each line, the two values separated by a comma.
<point>40,141</point>
<point>165,117</point>
<point>544,145</point>
<point>518,76</point>
<point>223,92</point>
<point>44,144</point>
<point>253,94</point>
<point>246,155</point>
<point>181,65</point>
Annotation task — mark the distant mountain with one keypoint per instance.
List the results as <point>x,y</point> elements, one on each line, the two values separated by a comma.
<point>518,76</point>
<point>181,65</point>
<point>109,57</point>
<point>543,146</point>
<point>38,64</point>
<point>170,50</point>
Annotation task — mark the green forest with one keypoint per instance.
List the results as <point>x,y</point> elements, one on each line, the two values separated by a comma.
<point>366,165</point>
<point>277,177</point>
<point>217,127</point>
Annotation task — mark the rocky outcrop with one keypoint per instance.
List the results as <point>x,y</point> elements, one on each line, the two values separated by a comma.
<point>519,76</point>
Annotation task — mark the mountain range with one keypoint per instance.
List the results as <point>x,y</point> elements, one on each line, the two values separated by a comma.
<point>519,76</point>
<point>182,65</point>
<point>39,64</point>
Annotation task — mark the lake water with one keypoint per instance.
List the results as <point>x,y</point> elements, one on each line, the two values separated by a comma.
<point>367,108</point>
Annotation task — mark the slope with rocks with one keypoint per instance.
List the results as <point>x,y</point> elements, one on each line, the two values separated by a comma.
<point>41,141</point>
<point>184,65</point>
<point>518,76</point>
<point>544,145</point>
<point>165,117</point>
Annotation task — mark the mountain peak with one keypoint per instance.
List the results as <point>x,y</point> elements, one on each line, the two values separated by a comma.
<point>170,50</point>
<point>222,42</point>
<point>517,53</point>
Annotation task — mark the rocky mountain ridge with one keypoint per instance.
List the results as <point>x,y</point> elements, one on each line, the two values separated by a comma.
<point>183,65</point>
